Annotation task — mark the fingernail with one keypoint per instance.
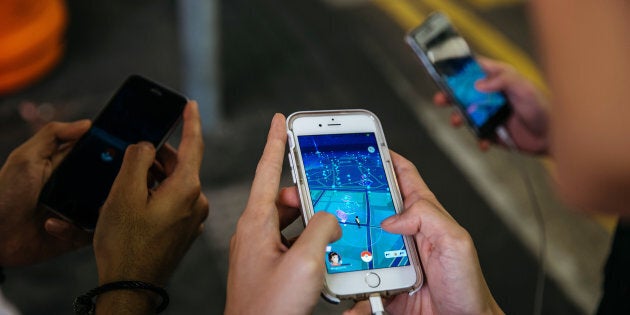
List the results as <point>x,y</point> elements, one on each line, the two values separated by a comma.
<point>56,226</point>
<point>276,116</point>
<point>390,220</point>
<point>146,144</point>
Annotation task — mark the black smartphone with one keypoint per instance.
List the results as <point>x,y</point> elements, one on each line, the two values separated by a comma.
<point>452,65</point>
<point>141,110</point>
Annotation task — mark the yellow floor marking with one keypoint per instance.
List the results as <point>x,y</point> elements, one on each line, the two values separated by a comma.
<point>490,4</point>
<point>404,13</point>
<point>608,222</point>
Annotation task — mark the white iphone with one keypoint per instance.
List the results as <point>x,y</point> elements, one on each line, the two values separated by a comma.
<point>341,164</point>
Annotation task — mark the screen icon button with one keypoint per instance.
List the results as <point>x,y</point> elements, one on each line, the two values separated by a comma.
<point>395,253</point>
<point>366,256</point>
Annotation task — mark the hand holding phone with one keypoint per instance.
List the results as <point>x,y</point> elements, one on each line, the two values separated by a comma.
<point>341,165</point>
<point>456,284</point>
<point>529,122</point>
<point>27,234</point>
<point>449,60</point>
<point>266,277</point>
<point>140,110</point>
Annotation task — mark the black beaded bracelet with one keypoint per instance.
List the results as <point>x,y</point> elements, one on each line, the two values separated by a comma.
<point>84,304</point>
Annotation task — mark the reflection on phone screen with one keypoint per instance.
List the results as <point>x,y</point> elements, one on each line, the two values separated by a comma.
<point>346,178</point>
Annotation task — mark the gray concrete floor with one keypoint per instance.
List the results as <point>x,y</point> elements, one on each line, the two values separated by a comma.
<point>284,56</point>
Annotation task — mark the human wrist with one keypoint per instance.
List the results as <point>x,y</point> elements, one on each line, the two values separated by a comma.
<point>127,301</point>
<point>123,297</point>
<point>108,274</point>
<point>105,279</point>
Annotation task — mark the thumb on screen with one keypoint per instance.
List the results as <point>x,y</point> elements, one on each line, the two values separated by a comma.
<point>322,229</point>
<point>134,170</point>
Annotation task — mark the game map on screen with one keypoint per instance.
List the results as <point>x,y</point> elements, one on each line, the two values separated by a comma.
<point>346,178</point>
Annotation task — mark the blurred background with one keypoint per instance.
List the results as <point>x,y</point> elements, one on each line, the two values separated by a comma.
<point>245,60</point>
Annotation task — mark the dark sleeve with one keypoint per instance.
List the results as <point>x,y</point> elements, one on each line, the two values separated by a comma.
<point>616,297</point>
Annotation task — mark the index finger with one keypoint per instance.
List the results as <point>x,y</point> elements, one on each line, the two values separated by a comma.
<point>492,67</point>
<point>269,169</point>
<point>411,184</point>
<point>190,151</point>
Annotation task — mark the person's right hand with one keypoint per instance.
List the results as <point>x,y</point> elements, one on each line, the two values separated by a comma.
<point>454,282</point>
<point>528,124</point>
<point>265,276</point>
<point>143,233</point>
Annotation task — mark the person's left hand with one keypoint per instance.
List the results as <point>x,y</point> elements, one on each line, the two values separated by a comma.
<point>265,276</point>
<point>27,232</point>
<point>454,282</point>
<point>528,125</point>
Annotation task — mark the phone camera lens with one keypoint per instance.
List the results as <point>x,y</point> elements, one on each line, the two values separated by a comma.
<point>320,125</point>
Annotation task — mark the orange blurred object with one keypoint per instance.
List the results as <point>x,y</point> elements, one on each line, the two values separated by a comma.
<point>31,40</point>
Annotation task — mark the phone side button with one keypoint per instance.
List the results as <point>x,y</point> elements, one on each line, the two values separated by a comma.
<point>290,160</point>
<point>372,280</point>
<point>292,168</point>
<point>290,139</point>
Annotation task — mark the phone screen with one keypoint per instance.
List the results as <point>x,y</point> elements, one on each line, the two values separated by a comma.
<point>140,111</point>
<point>346,178</point>
<point>454,63</point>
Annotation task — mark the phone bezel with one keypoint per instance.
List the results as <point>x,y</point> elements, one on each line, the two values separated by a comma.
<point>435,24</point>
<point>352,284</point>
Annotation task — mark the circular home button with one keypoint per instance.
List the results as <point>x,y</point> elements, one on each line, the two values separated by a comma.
<point>372,280</point>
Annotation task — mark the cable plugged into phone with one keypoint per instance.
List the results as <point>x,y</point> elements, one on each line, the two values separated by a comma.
<point>504,136</point>
<point>377,304</point>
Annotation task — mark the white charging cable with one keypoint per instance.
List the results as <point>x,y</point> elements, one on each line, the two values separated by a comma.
<point>377,305</point>
<point>503,134</point>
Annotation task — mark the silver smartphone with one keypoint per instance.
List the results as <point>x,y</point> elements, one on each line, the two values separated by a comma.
<point>452,65</point>
<point>341,164</point>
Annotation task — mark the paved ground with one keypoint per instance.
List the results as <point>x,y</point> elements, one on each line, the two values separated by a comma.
<point>284,56</point>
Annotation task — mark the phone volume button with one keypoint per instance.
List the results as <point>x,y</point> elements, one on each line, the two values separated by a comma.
<point>292,168</point>
<point>293,175</point>
<point>291,160</point>
<point>290,139</point>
